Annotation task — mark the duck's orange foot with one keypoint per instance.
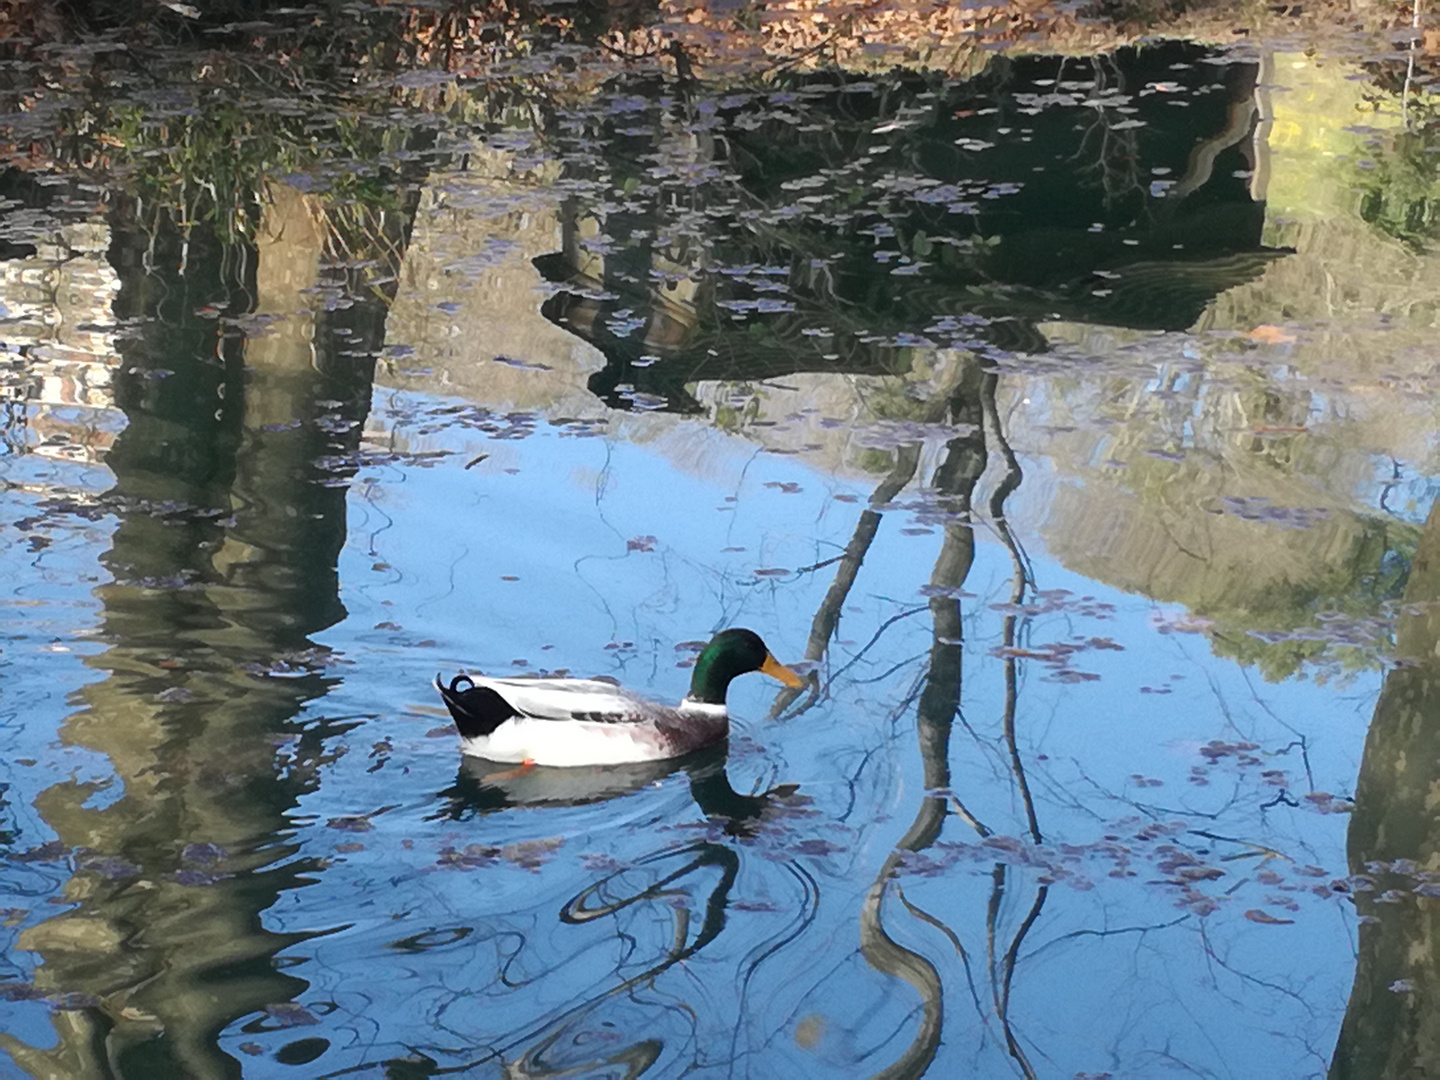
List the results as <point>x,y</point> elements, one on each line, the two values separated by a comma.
<point>524,767</point>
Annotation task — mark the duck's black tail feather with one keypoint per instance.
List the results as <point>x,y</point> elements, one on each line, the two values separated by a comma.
<point>477,710</point>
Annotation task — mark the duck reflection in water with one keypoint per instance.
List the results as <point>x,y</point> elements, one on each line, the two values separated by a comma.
<point>482,786</point>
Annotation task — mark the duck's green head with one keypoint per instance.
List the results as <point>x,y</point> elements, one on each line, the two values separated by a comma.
<point>731,653</point>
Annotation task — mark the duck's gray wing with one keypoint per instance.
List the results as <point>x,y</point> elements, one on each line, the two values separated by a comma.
<point>575,699</point>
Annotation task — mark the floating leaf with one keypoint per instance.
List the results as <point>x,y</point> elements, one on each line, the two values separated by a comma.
<point>1266,334</point>
<point>350,823</point>
<point>291,1014</point>
<point>472,857</point>
<point>1258,916</point>
<point>20,991</point>
<point>809,1031</point>
<point>531,854</point>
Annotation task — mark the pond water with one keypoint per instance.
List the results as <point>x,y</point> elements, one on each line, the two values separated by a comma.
<point>1066,415</point>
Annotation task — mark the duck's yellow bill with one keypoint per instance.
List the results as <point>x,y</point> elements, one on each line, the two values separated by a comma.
<point>777,670</point>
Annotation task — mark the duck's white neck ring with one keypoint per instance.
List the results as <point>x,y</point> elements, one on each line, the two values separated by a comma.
<point>702,708</point>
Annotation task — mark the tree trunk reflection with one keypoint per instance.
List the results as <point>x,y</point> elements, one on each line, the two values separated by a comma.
<point>1392,1021</point>
<point>224,557</point>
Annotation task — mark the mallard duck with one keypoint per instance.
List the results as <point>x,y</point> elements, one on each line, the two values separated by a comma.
<point>592,722</point>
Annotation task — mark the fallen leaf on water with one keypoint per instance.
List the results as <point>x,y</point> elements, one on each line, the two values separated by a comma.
<point>1256,915</point>
<point>531,853</point>
<point>289,1014</point>
<point>810,1031</point>
<point>350,822</point>
<point>1271,335</point>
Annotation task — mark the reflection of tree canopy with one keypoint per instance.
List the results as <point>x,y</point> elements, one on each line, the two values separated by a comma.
<point>1400,186</point>
<point>1331,621</point>
<point>1187,499</point>
<point>1400,194</point>
<point>1336,623</point>
<point>825,222</point>
<point>1231,507</point>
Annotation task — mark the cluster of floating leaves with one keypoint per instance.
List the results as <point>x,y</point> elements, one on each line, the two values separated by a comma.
<point>197,863</point>
<point>1255,508</point>
<point>526,854</point>
<point>428,420</point>
<point>1336,628</point>
<point>1050,601</point>
<point>61,502</point>
<point>848,198</point>
<point>24,990</point>
<point>293,662</point>
<point>1057,656</point>
<point>1180,622</point>
<point>1170,856</point>
<point>1245,763</point>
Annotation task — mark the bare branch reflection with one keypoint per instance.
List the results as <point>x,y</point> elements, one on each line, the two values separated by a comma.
<point>563,1037</point>
<point>969,405</point>
<point>907,460</point>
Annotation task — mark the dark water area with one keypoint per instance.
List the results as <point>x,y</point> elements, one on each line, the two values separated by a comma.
<point>1066,415</point>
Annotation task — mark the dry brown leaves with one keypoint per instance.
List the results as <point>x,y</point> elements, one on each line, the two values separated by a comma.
<point>855,35</point>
